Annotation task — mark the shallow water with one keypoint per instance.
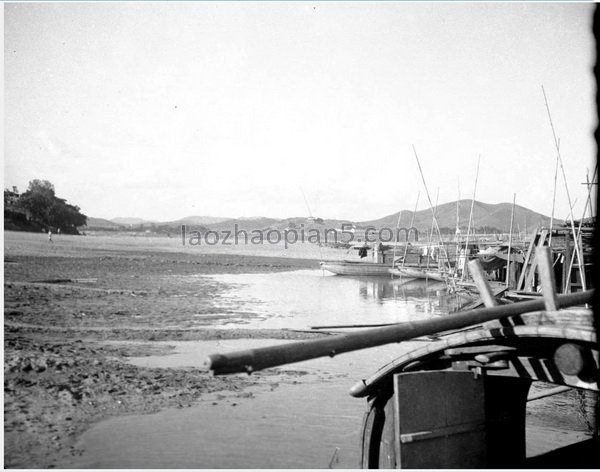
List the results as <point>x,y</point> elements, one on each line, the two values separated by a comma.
<point>305,298</point>
<point>309,420</point>
<point>302,417</point>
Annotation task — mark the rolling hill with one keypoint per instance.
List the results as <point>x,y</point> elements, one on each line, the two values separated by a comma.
<point>488,217</point>
<point>101,223</point>
<point>485,215</point>
<point>128,221</point>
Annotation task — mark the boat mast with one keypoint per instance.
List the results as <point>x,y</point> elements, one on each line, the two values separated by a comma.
<point>437,197</point>
<point>457,232</point>
<point>589,187</point>
<point>412,221</point>
<point>588,202</point>
<point>562,168</point>
<point>395,245</point>
<point>512,216</point>
<point>432,210</point>
<point>553,198</point>
<point>464,267</point>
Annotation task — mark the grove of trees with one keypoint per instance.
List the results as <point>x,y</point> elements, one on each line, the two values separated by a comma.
<point>41,206</point>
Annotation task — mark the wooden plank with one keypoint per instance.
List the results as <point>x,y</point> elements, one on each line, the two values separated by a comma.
<point>546,271</point>
<point>440,430</point>
<point>476,271</point>
<point>548,393</point>
<point>567,258</point>
<point>530,275</point>
<point>526,262</point>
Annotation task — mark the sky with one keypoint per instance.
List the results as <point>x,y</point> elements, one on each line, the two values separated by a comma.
<point>162,110</point>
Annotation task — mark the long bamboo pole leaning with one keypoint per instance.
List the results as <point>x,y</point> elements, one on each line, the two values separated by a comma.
<point>430,238</point>
<point>261,358</point>
<point>397,241</point>
<point>457,233</point>
<point>553,198</point>
<point>562,168</point>
<point>578,237</point>
<point>588,184</point>
<point>433,212</point>
<point>464,267</point>
<point>512,217</point>
<point>412,221</point>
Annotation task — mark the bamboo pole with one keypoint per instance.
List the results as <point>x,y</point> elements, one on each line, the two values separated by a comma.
<point>478,275</point>
<point>576,241</point>
<point>512,215</point>
<point>397,235</point>
<point>437,197</point>
<point>412,220</point>
<point>464,267</point>
<point>553,197</point>
<point>261,358</point>
<point>589,186</point>
<point>430,204</point>
<point>431,232</point>
<point>457,233</point>
<point>579,258</point>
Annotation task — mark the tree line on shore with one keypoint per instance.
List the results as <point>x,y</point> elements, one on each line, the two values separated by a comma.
<point>39,209</point>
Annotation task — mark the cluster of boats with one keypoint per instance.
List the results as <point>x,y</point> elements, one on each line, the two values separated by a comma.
<point>426,261</point>
<point>462,399</point>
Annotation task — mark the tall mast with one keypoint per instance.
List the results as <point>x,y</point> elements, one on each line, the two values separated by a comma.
<point>562,168</point>
<point>457,232</point>
<point>464,267</point>
<point>512,216</point>
<point>437,227</point>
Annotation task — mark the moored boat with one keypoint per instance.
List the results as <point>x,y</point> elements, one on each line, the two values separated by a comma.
<point>356,268</point>
<point>416,272</point>
<point>469,394</point>
<point>378,263</point>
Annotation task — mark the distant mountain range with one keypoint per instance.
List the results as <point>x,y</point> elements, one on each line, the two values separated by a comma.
<point>486,217</point>
<point>190,220</point>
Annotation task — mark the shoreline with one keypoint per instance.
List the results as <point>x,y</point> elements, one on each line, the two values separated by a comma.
<point>67,344</point>
<point>36,244</point>
<point>62,374</point>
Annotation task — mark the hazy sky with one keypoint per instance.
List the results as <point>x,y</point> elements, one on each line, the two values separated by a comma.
<point>163,110</point>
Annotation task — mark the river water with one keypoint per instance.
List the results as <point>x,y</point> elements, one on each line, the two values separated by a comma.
<point>303,417</point>
<point>306,298</point>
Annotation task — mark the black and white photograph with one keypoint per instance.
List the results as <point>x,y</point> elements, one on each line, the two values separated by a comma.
<point>300,235</point>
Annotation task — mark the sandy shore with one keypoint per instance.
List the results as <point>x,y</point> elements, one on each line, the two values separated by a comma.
<point>62,373</point>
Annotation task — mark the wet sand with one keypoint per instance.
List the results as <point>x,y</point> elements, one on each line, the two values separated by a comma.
<point>60,373</point>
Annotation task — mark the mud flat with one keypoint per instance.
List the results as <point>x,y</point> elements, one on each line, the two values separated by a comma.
<point>64,304</point>
<point>101,331</point>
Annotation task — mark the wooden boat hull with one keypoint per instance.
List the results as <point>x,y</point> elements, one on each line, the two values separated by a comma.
<point>417,273</point>
<point>356,268</point>
<point>480,421</point>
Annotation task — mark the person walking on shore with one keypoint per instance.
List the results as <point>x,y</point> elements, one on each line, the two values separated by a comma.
<point>49,235</point>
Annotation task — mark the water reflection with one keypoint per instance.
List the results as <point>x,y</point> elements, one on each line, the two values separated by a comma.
<point>380,289</point>
<point>305,298</point>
